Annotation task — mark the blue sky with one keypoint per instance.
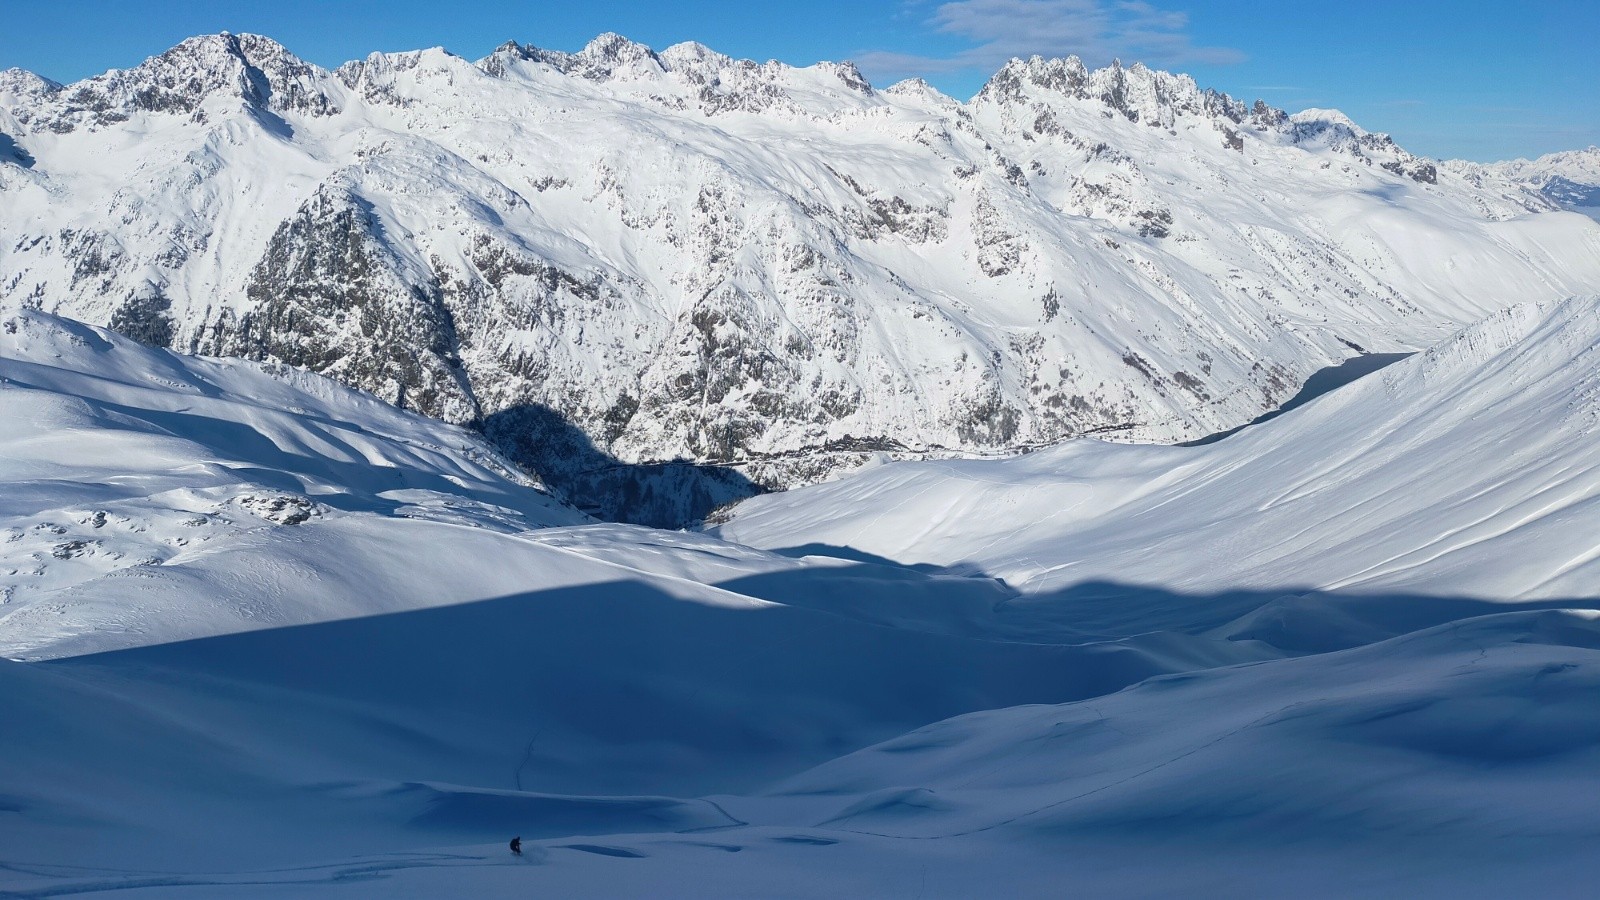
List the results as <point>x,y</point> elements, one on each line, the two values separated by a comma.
<point>1472,79</point>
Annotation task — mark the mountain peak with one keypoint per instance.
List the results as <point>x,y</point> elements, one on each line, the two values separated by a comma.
<point>23,83</point>
<point>1137,92</point>
<point>607,55</point>
<point>214,50</point>
<point>613,47</point>
<point>1326,117</point>
<point>248,67</point>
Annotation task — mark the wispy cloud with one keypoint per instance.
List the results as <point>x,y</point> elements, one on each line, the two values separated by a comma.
<point>1095,30</point>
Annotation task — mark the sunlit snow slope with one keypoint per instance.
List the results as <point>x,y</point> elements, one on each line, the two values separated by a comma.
<point>147,497</point>
<point>1469,470</point>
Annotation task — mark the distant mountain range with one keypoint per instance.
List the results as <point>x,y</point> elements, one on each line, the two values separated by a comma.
<point>635,269</point>
<point>1570,179</point>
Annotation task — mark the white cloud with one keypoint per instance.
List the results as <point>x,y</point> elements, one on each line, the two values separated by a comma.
<point>1095,30</point>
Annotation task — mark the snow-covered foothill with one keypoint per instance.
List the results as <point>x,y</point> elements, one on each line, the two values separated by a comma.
<point>147,497</point>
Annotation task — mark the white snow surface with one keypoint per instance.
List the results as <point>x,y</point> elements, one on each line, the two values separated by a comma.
<point>692,256</point>
<point>969,678</point>
<point>1580,166</point>
<point>150,497</point>
<point>1468,470</point>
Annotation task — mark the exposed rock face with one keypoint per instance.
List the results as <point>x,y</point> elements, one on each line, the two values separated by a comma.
<point>325,296</point>
<point>627,264</point>
<point>1332,129</point>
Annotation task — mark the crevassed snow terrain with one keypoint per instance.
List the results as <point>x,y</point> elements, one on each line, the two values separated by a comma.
<point>889,706</point>
<point>625,255</point>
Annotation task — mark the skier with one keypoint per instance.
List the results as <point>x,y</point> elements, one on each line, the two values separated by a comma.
<point>516,845</point>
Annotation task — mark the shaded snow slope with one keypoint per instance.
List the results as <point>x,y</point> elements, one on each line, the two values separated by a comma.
<point>624,255</point>
<point>353,757</point>
<point>1468,470</point>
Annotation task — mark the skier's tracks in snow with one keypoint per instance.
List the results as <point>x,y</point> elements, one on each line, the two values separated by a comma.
<point>333,873</point>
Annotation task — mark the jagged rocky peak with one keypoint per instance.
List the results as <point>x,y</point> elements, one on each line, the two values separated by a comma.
<point>698,65</point>
<point>373,78</point>
<point>1138,93</point>
<point>608,57</point>
<point>498,62</point>
<point>613,51</point>
<point>22,86</point>
<point>1333,130</point>
<point>255,69</point>
<point>1066,76</point>
<point>717,82</point>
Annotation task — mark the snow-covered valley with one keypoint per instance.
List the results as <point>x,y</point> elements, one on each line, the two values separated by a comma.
<point>342,606</point>
<point>1235,667</point>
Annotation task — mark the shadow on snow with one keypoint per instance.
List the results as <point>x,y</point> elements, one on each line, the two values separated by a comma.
<point>671,494</point>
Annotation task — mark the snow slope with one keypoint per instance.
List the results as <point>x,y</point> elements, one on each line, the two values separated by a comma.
<point>669,714</point>
<point>149,497</point>
<point>395,755</point>
<point>621,256</point>
<point>1470,470</point>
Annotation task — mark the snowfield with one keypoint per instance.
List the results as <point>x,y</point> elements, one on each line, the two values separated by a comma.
<point>1338,652</point>
<point>150,497</point>
<point>284,614</point>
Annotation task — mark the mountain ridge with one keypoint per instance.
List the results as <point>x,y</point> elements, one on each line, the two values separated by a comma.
<point>691,257</point>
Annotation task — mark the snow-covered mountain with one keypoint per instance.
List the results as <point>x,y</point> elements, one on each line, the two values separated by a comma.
<point>1570,178</point>
<point>624,256</point>
<point>149,497</point>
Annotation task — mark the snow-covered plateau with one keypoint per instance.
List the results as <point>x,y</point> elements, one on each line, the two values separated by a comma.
<point>619,256</point>
<point>321,392</point>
